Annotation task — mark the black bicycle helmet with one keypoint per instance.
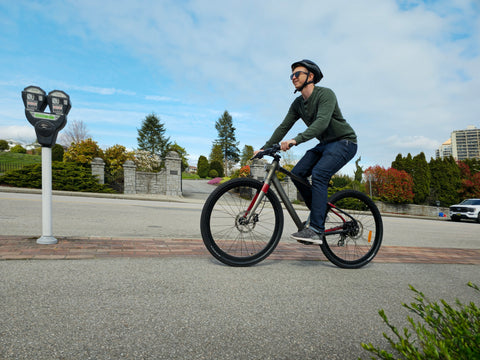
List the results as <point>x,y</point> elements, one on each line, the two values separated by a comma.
<point>312,68</point>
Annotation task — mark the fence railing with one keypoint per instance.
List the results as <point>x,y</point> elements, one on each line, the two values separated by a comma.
<point>7,166</point>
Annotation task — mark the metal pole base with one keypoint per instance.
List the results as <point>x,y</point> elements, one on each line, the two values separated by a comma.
<point>47,240</point>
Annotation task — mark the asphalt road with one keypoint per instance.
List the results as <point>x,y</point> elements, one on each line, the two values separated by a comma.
<point>196,308</point>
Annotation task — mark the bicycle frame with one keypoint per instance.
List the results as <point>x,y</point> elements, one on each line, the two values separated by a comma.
<point>270,178</point>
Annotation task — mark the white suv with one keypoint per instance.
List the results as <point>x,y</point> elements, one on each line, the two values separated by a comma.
<point>467,209</point>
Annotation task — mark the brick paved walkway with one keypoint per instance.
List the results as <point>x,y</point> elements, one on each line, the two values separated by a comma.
<point>18,247</point>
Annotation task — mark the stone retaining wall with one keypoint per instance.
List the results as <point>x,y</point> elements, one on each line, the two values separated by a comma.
<point>168,181</point>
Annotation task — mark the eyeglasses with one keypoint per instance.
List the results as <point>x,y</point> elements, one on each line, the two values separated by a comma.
<point>297,74</point>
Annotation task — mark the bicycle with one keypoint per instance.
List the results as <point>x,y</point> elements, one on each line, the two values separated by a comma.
<point>242,220</point>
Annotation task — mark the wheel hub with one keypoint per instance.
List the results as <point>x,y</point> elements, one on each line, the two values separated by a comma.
<point>243,225</point>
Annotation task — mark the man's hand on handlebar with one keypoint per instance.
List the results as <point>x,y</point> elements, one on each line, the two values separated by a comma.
<point>285,145</point>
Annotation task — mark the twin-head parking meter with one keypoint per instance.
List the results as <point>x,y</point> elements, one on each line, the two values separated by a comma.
<point>47,126</point>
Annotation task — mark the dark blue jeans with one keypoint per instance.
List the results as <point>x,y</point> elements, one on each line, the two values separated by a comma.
<point>321,162</point>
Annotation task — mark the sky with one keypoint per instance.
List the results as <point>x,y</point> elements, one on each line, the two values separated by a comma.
<point>406,73</point>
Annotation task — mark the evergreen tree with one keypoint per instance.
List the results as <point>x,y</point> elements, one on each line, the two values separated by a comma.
<point>358,170</point>
<point>203,167</point>
<point>247,154</point>
<point>218,167</point>
<point>398,162</point>
<point>421,178</point>
<point>445,181</point>
<point>151,136</point>
<point>226,139</point>
<point>216,154</point>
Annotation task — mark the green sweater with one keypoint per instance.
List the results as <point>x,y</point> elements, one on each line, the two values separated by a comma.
<point>320,112</point>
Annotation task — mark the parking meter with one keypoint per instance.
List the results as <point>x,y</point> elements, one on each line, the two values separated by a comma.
<point>47,125</point>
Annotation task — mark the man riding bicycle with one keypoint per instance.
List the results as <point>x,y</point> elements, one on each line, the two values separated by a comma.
<point>318,108</point>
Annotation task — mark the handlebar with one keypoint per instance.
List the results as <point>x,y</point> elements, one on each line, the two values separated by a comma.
<point>267,152</point>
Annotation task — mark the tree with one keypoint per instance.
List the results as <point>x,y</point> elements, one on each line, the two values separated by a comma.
<point>75,132</point>
<point>181,151</point>
<point>421,178</point>
<point>202,167</point>
<point>418,168</point>
<point>57,152</point>
<point>247,154</point>
<point>470,181</point>
<point>151,136</point>
<point>226,139</point>
<point>217,166</point>
<point>146,161</point>
<point>358,175</point>
<point>18,149</point>
<point>403,163</point>
<point>445,181</point>
<point>391,185</point>
<point>3,145</point>
<point>115,156</point>
<point>216,154</point>
<point>83,152</point>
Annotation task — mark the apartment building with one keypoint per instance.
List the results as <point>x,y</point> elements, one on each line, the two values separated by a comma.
<point>466,143</point>
<point>445,150</point>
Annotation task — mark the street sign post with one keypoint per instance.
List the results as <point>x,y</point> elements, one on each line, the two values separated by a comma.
<point>47,126</point>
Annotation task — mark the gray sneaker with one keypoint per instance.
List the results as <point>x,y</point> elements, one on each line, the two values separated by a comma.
<point>308,236</point>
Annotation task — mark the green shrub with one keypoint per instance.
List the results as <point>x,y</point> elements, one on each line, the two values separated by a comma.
<point>57,152</point>
<point>3,145</point>
<point>213,173</point>
<point>19,149</point>
<point>65,176</point>
<point>217,165</point>
<point>447,333</point>
<point>203,167</point>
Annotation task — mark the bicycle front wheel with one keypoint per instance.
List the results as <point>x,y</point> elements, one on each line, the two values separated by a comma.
<point>353,229</point>
<point>232,237</point>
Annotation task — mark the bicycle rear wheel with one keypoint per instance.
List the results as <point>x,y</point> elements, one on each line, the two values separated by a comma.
<point>227,233</point>
<point>353,229</point>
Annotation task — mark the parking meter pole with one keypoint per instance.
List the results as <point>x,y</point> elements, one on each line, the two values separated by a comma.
<point>47,233</point>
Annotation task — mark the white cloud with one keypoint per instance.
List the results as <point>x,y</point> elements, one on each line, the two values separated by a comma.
<point>24,133</point>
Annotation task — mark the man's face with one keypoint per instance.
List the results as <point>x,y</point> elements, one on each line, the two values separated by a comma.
<point>299,76</point>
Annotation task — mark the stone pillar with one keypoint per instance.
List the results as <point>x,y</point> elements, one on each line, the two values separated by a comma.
<point>98,169</point>
<point>173,174</point>
<point>129,177</point>
<point>257,169</point>
<point>290,188</point>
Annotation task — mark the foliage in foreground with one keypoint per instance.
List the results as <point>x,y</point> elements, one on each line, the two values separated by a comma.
<point>445,333</point>
<point>65,176</point>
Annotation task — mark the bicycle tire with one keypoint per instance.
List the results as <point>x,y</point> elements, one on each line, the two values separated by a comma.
<point>235,243</point>
<point>358,246</point>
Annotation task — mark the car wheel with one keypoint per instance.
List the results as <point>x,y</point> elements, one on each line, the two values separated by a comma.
<point>478,217</point>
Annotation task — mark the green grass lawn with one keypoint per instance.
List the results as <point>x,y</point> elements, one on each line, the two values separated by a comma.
<point>12,161</point>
